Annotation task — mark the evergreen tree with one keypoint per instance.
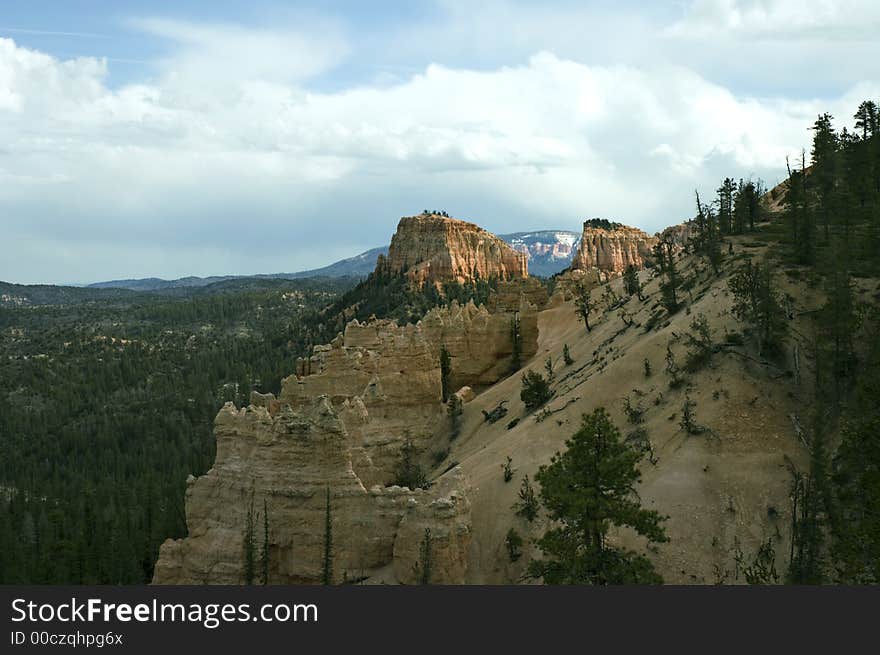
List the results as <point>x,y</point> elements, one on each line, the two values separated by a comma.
<point>527,505</point>
<point>445,366</point>
<point>709,239</point>
<point>327,559</point>
<point>809,495</point>
<point>838,322</point>
<point>664,254</point>
<point>800,217</point>
<point>756,303</point>
<point>424,568</point>
<point>535,390</point>
<point>548,367</point>
<point>264,555</point>
<point>725,205</point>
<point>583,304</point>
<point>855,478</point>
<point>631,282</point>
<point>250,544</point>
<point>516,344</point>
<point>409,472</point>
<point>587,489</point>
<point>867,119</point>
<point>825,171</point>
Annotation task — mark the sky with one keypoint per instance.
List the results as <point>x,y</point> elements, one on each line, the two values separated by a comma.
<point>167,139</point>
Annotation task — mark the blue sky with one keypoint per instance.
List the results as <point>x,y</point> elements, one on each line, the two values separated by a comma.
<point>177,138</point>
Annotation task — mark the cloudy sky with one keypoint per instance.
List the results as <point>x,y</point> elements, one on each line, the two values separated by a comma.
<point>195,138</point>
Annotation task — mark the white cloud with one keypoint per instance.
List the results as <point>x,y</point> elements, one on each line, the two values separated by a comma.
<point>818,19</point>
<point>220,53</point>
<point>229,162</point>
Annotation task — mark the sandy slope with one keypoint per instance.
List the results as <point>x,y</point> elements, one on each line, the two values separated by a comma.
<point>725,487</point>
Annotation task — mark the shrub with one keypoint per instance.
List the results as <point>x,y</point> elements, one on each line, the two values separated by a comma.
<point>634,413</point>
<point>409,472</point>
<point>675,377</point>
<point>508,471</point>
<point>513,542</point>
<point>527,505</point>
<point>700,346</point>
<point>535,390</point>
<point>688,421</point>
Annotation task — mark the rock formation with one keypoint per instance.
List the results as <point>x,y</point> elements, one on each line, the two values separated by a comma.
<point>612,250</point>
<point>386,378</point>
<point>341,423</point>
<point>430,248</point>
<point>288,461</point>
<point>679,234</point>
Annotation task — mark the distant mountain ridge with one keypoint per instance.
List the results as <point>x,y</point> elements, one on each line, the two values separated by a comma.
<point>548,252</point>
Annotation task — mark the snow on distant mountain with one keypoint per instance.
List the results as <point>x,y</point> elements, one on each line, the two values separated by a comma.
<point>549,251</point>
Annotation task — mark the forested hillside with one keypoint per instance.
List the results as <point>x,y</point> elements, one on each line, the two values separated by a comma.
<point>824,230</point>
<point>106,406</point>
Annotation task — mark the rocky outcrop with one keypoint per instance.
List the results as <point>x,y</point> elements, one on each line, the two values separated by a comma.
<point>441,525</point>
<point>430,248</point>
<point>386,378</point>
<point>340,425</point>
<point>508,296</point>
<point>480,342</point>
<point>679,235</point>
<point>612,250</point>
<point>288,462</point>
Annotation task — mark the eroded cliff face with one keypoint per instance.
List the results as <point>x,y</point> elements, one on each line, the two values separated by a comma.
<point>286,461</point>
<point>433,249</point>
<point>613,250</point>
<point>679,235</point>
<point>341,423</point>
<point>386,379</point>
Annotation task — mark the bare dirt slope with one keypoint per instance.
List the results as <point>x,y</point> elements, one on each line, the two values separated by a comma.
<point>724,489</point>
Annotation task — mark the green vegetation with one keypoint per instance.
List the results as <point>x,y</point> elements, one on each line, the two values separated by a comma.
<point>250,544</point>
<point>583,304</point>
<point>327,557</point>
<point>390,295</point>
<point>107,402</point>
<point>508,469</point>
<point>424,568</point>
<point>756,302</point>
<point>264,554</point>
<point>516,345</point>
<point>602,223</point>
<point>535,390</point>
<point>587,489</point>
<point>513,542</point>
<point>527,505</point>
<point>409,471</point>
<point>445,366</point>
<point>631,283</point>
<point>664,254</point>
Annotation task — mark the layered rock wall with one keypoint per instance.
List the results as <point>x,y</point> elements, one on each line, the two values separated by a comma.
<point>341,426</point>
<point>613,250</point>
<point>287,462</point>
<point>433,249</point>
<point>385,378</point>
